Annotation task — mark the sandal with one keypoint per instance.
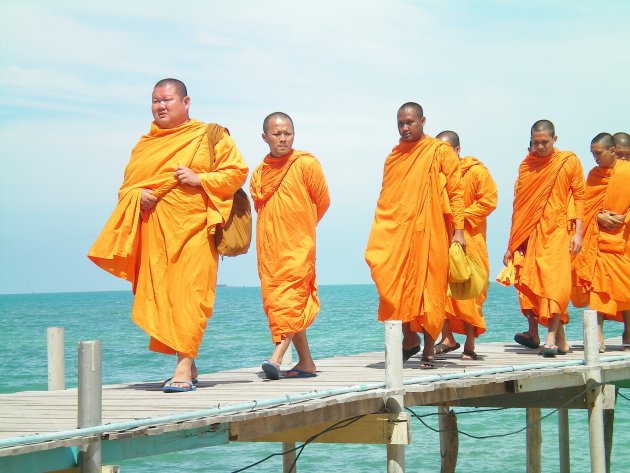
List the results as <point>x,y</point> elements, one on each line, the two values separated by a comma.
<point>469,355</point>
<point>427,363</point>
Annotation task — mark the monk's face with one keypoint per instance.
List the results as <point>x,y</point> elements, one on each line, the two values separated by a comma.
<point>542,143</point>
<point>623,152</point>
<point>279,136</point>
<point>169,108</point>
<point>604,157</point>
<point>410,125</point>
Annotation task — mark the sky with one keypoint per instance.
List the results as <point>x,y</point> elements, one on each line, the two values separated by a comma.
<point>76,80</point>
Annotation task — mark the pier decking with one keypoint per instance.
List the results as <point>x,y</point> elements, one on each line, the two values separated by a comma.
<point>38,429</point>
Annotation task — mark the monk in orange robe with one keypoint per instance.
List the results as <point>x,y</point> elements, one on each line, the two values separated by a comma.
<point>160,237</point>
<point>290,196</point>
<point>601,276</point>
<point>546,232</point>
<point>407,250</point>
<point>480,200</point>
<point>622,145</point>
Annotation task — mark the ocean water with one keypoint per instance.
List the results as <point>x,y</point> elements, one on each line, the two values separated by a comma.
<point>237,336</point>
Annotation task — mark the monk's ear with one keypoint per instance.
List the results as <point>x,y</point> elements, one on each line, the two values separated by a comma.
<point>264,137</point>
<point>186,102</point>
<point>555,138</point>
<point>423,120</point>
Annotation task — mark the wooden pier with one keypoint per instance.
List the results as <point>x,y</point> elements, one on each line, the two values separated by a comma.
<point>38,429</point>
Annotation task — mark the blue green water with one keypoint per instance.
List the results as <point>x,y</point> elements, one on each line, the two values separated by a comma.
<point>237,336</point>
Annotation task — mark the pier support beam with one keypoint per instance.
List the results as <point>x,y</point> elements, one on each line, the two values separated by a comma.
<point>449,439</point>
<point>534,440</point>
<point>56,359</point>
<point>288,457</point>
<point>394,380</point>
<point>90,402</point>
<point>609,419</point>
<point>594,397</point>
<point>563,440</point>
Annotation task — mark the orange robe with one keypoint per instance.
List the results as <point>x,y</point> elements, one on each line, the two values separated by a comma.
<point>542,226</point>
<point>480,200</point>
<point>602,268</point>
<point>290,196</point>
<point>169,255</point>
<point>407,250</point>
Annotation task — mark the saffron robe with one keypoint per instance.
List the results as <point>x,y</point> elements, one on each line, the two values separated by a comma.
<point>548,197</point>
<point>480,200</point>
<point>601,271</point>
<point>168,254</point>
<point>407,250</point>
<point>290,196</point>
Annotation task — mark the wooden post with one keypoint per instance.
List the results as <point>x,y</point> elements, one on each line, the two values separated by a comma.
<point>563,440</point>
<point>449,439</point>
<point>394,380</point>
<point>594,397</point>
<point>56,369</point>
<point>609,420</point>
<point>288,457</point>
<point>90,402</point>
<point>534,440</point>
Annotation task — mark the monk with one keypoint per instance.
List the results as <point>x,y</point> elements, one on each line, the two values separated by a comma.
<point>480,200</point>
<point>407,250</point>
<point>546,233</point>
<point>290,196</point>
<point>601,276</point>
<point>622,145</point>
<point>160,236</point>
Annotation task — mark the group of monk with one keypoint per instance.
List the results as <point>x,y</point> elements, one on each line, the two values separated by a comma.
<point>178,188</point>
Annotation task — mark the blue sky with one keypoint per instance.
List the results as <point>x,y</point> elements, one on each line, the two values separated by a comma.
<point>76,80</point>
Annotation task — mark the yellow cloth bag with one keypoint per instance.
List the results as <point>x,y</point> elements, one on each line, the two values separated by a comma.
<point>467,279</point>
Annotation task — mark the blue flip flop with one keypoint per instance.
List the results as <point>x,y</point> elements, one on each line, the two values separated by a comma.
<point>300,373</point>
<point>169,387</point>
<point>167,380</point>
<point>271,369</point>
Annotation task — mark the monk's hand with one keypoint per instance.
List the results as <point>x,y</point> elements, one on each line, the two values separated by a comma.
<point>610,220</point>
<point>147,200</point>
<point>187,176</point>
<point>507,257</point>
<point>576,243</point>
<point>458,237</point>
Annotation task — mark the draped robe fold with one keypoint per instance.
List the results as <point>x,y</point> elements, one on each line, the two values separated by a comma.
<point>407,250</point>
<point>548,197</point>
<point>601,272</point>
<point>168,254</point>
<point>290,196</point>
<point>480,200</point>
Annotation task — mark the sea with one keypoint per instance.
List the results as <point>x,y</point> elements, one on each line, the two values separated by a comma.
<point>237,336</point>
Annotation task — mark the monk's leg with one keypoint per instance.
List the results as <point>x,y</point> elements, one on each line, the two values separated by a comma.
<point>530,338</point>
<point>183,374</point>
<point>625,337</point>
<point>561,339</point>
<point>448,339</point>
<point>429,346</point>
<point>600,330</point>
<point>280,350</point>
<point>305,360</point>
<point>410,338</point>
<point>552,330</point>
<point>469,346</point>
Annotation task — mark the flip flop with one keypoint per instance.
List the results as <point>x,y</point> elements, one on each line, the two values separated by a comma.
<point>526,340</point>
<point>442,348</point>
<point>549,351</point>
<point>409,353</point>
<point>169,387</point>
<point>470,354</point>
<point>625,347</point>
<point>194,381</point>
<point>300,373</point>
<point>427,363</point>
<point>271,369</point>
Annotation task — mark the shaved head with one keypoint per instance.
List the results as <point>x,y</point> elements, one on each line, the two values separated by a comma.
<point>414,106</point>
<point>450,137</point>
<point>177,84</point>
<point>606,140</point>
<point>273,116</point>
<point>544,125</point>
<point>621,139</point>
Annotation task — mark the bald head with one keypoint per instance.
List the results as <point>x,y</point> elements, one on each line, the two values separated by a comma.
<point>450,137</point>
<point>544,126</point>
<point>622,145</point>
<point>416,107</point>
<point>605,139</point>
<point>275,116</point>
<point>178,85</point>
